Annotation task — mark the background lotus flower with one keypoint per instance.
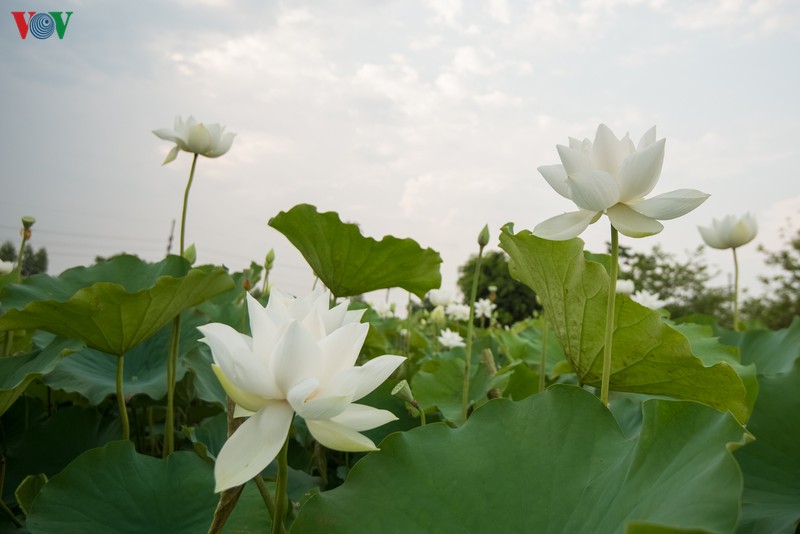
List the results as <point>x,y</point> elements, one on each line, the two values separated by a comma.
<point>457,312</point>
<point>649,300</point>
<point>612,176</point>
<point>195,137</point>
<point>440,297</point>
<point>6,267</point>
<point>450,339</point>
<point>625,286</point>
<point>484,308</point>
<point>300,359</point>
<point>730,232</point>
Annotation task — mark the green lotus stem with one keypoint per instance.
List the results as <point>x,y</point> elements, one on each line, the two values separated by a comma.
<point>280,489</point>
<point>172,372</point>
<point>8,345</point>
<point>262,489</point>
<point>123,410</point>
<point>470,328</point>
<point>612,297</point>
<point>6,510</point>
<point>735,291</point>
<point>542,364</point>
<point>186,202</point>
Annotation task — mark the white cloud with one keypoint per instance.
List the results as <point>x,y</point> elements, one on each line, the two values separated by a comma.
<point>446,11</point>
<point>498,10</point>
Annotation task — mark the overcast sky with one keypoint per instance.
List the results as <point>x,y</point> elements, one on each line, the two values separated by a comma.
<point>417,118</point>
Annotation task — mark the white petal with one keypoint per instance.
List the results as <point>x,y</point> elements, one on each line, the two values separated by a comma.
<point>253,446</point>
<point>353,316</point>
<point>233,352</point>
<point>647,139</point>
<point>296,357</point>
<point>362,380</point>
<point>608,152</point>
<point>318,407</point>
<point>712,238</point>
<point>670,205</point>
<point>340,350</point>
<point>361,417</point>
<point>245,399</point>
<point>566,226</point>
<point>198,140</point>
<point>339,437</point>
<point>222,146</point>
<point>556,176</point>
<point>632,223</point>
<point>166,134</point>
<point>172,154</point>
<point>263,330</point>
<point>333,318</point>
<point>640,172</point>
<point>574,160</point>
<point>593,190</point>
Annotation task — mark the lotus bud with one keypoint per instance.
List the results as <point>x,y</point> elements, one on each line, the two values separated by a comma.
<point>190,254</point>
<point>483,237</point>
<point>403,391</point>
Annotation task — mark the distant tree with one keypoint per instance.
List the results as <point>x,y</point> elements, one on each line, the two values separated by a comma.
<point>515,301</point>
<point>32,262</point>
<point>684,285</point>
<point>780,301</point>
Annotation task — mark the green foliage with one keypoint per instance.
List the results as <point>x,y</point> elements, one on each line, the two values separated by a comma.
<point>32,262</point>
<point>683,285</point>
<point>515,301</point>
<point>348,263</point>
<point>554,462</point>
<point>114,305</point>
<point>114,489</point>
<point>648,356</point>
<point>780,300</point>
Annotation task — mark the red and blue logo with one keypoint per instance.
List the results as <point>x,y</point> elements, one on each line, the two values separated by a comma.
<point>43,24</point>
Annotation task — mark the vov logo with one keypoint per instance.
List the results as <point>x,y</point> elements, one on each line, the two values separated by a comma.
<point>41,25</point>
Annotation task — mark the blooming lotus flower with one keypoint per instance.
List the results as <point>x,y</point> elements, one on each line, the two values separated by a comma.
<point>300,359</point>
<point>6,267</point>
<point>383,309</point>
<point>625,286</point>
<point>457,312</point>
<point>649,300</point>
<point>450,339</point>
<point>730,232</point>
<point>440,297</point>
<point>195,137</point>
<point>484,308</point>
<point>612,176</point>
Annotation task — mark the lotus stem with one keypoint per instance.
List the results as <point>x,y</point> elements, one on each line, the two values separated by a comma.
<point>543,363</point>
<point>470,328</point>
<point>280,488</point>
<point>123,409</point>
<point>186,202</point>
<point>735,291</point>
<point>612,297</point>
<point>172,372</point>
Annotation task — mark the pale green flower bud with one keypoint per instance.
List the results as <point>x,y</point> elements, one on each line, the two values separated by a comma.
<point>483,237</point>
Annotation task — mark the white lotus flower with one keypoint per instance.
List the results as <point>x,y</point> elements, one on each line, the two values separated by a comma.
<point>649,300</point>
<point>300,359</point>
<point>484,308</point>
<point>383,309</point>
<point>457,312</point>
<point>195,137</point>
<point>612,177</point>
<point>625,286</point>
<point>730,232</point>
<point>6,266</point>
<point>440,297</point>
<point>450,339</point>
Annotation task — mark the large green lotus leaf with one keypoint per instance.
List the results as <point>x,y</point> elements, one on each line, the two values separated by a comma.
<point>772,352</point>
<point>648,355</point>
<point>93,373</point>
<point>112,316</point>
<point>48,446</point>
<point>115,489</point>
<point>771,465</point>
<point>439,383</point>
<point>349,263</point>
<point>555,462</point>
<point>17,372</point>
